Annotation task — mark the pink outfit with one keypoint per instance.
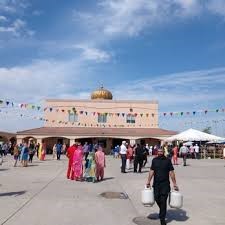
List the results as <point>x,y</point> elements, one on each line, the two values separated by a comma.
<point>78,163</point>
<point>100,164</point>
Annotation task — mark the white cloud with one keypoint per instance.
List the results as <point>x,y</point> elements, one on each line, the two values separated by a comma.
<point>40,80</point>
<point>93,54</point>
<point>13,6</point>
<point>14,24</point>
<point>18,28</point>
<point>217,7</point>
<point>131,17</point>
<point>37,12</point>
<point>3,19</point>
<point>179,90</point>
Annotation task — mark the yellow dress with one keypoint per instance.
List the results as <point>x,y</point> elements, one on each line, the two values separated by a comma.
<point>39,151</point>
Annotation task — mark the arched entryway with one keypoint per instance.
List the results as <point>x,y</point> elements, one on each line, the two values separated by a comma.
<point>29,139</point>
<point>149,141</point>
<point>107,143</point>
<point>50,141</point>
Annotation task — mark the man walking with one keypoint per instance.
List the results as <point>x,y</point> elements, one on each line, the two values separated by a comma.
<point>196,149</point>
<point>161,170</point>
<point>138,158</point>
<point>59,150</point>
<point>123,154</point>
<point>183,152</point>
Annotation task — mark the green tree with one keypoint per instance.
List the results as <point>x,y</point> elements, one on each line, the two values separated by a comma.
<point>207,130</point>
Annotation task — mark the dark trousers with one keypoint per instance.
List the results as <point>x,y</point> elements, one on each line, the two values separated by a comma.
<point>31,157</point>
<point>86,155</point>
<point>138,161</point>
<point>58,155</point>
<point>184,159</point>
<point>197,155</point>
<point>123,158</point>
<point>161,195</point>
<point>145,160</point>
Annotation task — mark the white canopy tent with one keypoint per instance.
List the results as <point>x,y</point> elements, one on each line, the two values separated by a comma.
<point>193,135</point>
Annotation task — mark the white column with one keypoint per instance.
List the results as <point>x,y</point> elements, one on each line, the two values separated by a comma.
<point>72,141</point>
<point>132,142</point>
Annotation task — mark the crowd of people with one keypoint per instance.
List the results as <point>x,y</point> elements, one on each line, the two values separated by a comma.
<point>138,154</point>
<point>85,164</point>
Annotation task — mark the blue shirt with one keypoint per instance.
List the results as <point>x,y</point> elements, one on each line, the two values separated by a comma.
<point>58,147</point>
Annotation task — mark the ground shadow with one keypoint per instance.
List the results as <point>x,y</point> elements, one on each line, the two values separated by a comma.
<point>16,193</point>
<point>179,215</point>
<point>108,178</point>
<point>3,169</point>
<point>144,171</point>
<point>32,165</point>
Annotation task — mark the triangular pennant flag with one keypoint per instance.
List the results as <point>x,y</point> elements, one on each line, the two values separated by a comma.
<point>1,101</point>
<point>50,109</point>
<point>63,110</point>
<point>86,113</point>
<point>123,114</point>
<point>141,114</point>
<point>39,107</point>
<point>118,114</point>
<point>217,110</point>
<point>181,113</point>
<point>206,111</point>
<point>194,113</point>
<point>33,106</point>
<point>171,113</point>
<point>164,114</point>
<point>7,103</point>
<point>147,115</point>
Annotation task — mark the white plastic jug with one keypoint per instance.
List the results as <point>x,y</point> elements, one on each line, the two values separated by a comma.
<point>176,199</point>
<point>147,196</point>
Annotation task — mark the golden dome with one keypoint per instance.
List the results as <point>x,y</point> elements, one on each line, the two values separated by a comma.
<point>101,93</point>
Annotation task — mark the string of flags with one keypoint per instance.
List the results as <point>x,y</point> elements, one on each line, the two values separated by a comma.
<point>118,114</point>
<point>76,124</point>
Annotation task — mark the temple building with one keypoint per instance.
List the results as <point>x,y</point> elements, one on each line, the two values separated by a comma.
<point>99,119</point>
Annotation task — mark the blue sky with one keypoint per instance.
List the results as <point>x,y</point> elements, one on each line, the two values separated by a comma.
<point>169,50</point>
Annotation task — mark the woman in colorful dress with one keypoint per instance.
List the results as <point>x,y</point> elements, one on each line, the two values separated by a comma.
<point>16,154</point>
<point>90,172</point>
<point>25,154</point>
<point>100,163</point>
<point>42,151</point>
<point>78,163</point>
<point>130,156</point>
<point>54,151</point>
<point>175,153</point>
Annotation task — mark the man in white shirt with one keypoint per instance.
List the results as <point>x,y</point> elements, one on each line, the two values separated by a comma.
<point>196,148</point>
<point>183,153</point>
<point>123,154</point>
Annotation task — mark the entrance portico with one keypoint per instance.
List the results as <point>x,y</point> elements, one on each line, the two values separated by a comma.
<point>109,137</point>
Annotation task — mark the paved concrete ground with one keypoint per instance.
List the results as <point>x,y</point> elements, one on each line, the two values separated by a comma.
<point>40,195</point>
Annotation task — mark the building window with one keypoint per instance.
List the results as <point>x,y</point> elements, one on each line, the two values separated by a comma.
<point>130,119</point>
<point>102,118</point>
<point>73,117</point>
